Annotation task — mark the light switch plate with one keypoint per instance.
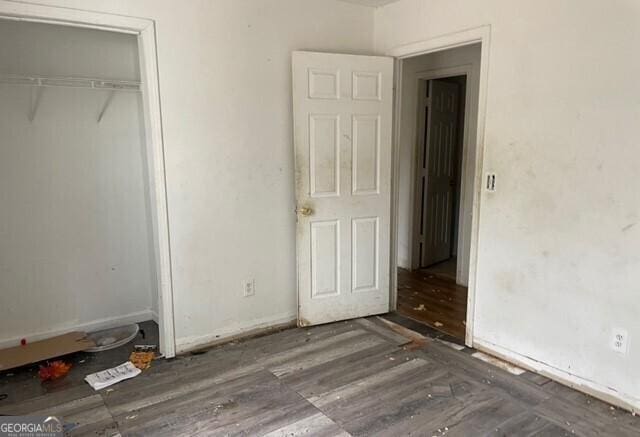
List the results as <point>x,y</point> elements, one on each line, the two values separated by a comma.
<point>490,182</point>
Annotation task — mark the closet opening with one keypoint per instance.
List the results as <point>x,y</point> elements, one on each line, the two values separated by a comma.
<point>83,228</point>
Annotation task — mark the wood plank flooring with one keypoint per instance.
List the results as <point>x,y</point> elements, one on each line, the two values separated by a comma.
<point>433,299</point>
<point>354,378</point>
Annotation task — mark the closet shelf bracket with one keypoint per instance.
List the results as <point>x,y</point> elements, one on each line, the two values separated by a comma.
<point>107,102</point>
<point>36,95</point>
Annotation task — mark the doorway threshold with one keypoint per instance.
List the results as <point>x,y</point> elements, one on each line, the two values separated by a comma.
<point>423,329</point>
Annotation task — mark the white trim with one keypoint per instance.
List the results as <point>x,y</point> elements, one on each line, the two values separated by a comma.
<point>395,186</point>
<point>442,42</point>
<point>95,325</point>
<point>604,393</point>
<point>145,29</point>
<point>467,37</point>
<point>438,73</point>
<point>159,203</point>
<point>234,330</point>
<point>72,17</point>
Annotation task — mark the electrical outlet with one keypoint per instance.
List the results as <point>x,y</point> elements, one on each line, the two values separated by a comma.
<point>620,340</point>
<point>249,287</point>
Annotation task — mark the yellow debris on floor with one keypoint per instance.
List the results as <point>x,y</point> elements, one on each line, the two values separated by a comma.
<point>142,360</point>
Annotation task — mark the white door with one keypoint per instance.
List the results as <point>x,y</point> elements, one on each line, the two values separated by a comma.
<point>438,172</point>
<point>342,110</point>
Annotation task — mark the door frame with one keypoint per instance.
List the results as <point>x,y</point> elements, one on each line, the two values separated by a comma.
<point>440,73</point>
<point>477,35</point>
<point>154,147</point>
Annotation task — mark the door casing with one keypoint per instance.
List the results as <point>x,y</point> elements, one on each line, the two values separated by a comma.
<point>477,35</point>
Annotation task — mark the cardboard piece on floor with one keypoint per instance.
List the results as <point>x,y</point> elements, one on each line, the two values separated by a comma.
<point>44,349</point>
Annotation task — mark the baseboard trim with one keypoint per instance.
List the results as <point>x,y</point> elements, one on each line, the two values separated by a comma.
<point>96,325</point>
<point>235,332</point>
<point>592,388</point>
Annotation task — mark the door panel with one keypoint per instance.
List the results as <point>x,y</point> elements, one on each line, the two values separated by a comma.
<point>342,106</point>
<point>325,258</point>
<point>366,269</point>
<point>324,144</point>
<point>366,154</point>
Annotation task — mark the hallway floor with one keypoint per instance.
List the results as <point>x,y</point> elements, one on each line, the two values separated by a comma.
<point>434,299</point>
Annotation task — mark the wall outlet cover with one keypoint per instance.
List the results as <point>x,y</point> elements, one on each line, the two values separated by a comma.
<point>620,340</point>
<point>248,287</point>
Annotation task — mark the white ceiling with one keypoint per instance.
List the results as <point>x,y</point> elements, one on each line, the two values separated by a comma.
<point>371,3</point>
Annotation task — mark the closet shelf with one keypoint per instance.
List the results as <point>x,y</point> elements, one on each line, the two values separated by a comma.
<point>71,82</point>
<point>38,82</point>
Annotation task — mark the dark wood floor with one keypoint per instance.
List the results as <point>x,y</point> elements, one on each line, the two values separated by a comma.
<point>351,378</point>
<point>446,268</point>
<point>433,299</point>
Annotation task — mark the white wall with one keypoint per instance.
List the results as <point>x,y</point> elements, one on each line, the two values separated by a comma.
<point>74,222</point>
<point>467,57</point>
<point>225,85</point>
<point>558,257</point>
<point>37,48</point>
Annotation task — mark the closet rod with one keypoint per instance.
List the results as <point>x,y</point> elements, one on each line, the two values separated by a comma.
<point>71,82</point>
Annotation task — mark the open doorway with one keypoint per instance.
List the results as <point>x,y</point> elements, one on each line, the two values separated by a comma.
<point>439,95</point>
